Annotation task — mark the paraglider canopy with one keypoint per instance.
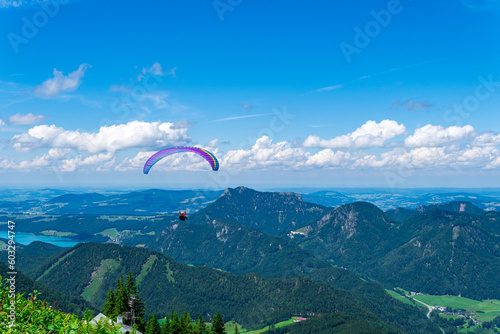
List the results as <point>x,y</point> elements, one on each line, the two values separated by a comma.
<point>209,157</point>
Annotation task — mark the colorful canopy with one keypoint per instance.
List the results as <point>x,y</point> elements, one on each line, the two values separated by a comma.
<point>212,160</point>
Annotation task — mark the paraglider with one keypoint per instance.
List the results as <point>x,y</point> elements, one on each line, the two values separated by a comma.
<point>182,216</point>
<point>209,157</point>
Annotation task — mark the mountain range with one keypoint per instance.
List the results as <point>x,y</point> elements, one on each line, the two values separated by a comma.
<point>269,238</point>
<point>89,270</point>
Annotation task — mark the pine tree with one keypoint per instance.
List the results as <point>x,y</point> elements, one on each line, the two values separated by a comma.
<point>175,325</point>
<point>186,322</point>
<point>200,326</point>
<point>165,328</point>
<point>218,324</point>
<point>121,298</point>
<point>139,307</point>
<point>153,326</point>
<point>109,304</point>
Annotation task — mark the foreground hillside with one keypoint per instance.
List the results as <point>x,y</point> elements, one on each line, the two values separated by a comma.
<point>65,302</point>
<point>90,270</point>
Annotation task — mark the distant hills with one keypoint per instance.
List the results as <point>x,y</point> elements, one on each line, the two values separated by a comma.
<point>147,202</point>
<point>159,201</point>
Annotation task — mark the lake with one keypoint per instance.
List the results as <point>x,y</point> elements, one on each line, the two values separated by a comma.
<point>27,238</point>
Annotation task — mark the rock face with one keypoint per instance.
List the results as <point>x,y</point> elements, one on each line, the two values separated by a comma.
<point>349,234</point>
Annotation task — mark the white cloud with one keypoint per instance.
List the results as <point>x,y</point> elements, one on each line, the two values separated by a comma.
<point>370,134</point>
<point>71,165</point>
<point>266,154</point>
<point>49,159</point>
<point>27,119</point>
<point>488,138</point>
<point>436,135</point>
<point>328,158</point>
<point>112,138</point>
<point>61,83</point>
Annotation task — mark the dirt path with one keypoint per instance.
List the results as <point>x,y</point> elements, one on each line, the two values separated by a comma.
<point>428,306</point>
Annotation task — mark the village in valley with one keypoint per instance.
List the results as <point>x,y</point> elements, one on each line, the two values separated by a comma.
<point>466,312</point>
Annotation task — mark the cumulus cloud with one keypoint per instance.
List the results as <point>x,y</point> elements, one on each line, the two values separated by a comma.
<point>328,158</point>
<point>112,138</point>
<point>436,135</point>
<point>71,165</point>
<point>370,134</point>
<point>27,119</point>
<point>265,153</point>
<point>61,83</point>
<point>488,138</point>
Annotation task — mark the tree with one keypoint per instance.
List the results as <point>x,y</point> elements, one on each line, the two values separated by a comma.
<point>165,328</point>
<point>109,304</point>
<point>186,322</point>
<point>200,327</point>
<point>236,331</point>
<point>121,298</point>
<point>175,325</point>
<point>138,306</point>
<point>218,324</point>
<point>153,327</point>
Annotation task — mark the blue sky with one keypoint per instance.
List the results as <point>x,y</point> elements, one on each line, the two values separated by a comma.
<point>373,93</point>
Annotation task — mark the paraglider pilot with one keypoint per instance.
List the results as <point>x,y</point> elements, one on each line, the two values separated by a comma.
<point>182,216</point>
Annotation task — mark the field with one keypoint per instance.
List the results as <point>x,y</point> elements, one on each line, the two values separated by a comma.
<point>230,327</point>
<point>486,310</point>
<point>401,298</point>
<point>448,301</point>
